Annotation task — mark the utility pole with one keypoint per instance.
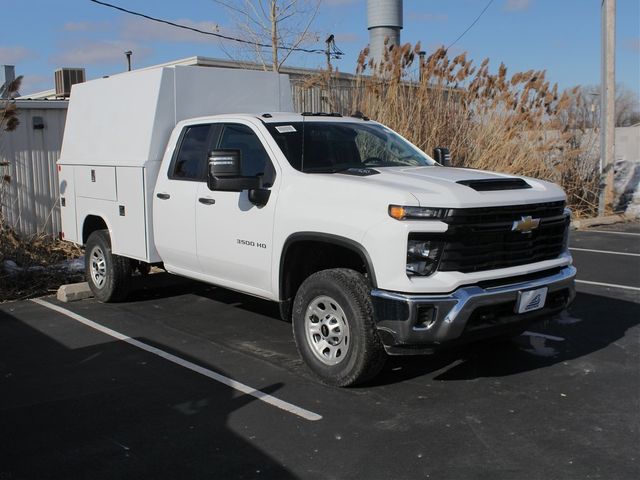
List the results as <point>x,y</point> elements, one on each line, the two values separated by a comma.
<point>327,51</point>
<point>607,103</point>
<point>273,16</point>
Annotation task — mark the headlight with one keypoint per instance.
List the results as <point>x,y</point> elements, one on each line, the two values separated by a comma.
<point>416,213</point>
<point>422,256</point>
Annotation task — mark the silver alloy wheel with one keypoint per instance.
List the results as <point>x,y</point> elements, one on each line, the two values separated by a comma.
<point>327,330</point>
<point>98,267</point>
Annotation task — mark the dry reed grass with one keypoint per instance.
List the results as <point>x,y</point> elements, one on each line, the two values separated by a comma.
<point>518,124</point>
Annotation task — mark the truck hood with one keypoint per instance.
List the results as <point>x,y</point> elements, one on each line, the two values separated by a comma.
<point>436,186</point>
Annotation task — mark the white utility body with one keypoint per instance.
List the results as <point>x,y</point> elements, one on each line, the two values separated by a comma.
<point>369,245</point>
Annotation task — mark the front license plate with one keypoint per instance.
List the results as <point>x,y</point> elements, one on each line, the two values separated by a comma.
<point>531,300</point>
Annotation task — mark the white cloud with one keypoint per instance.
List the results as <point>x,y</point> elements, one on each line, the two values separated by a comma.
<point>517,5</point>
<point>91,53</point>
<point>427,17</point>
<point>339,3</point>
<point>14,55</point>
<point>85,26</point>
<point>145,30</point>
<point>35,83</point>
<point>347,38</point>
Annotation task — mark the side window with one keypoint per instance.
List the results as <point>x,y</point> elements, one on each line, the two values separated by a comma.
<point>253,157</point>
<point>191,161</point>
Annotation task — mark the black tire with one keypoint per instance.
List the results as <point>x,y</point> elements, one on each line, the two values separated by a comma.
<point>108,275</point>
<point>358,353</point>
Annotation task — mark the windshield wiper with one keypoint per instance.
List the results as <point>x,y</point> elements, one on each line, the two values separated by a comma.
<point>325,170</point>
<point>330,169</point>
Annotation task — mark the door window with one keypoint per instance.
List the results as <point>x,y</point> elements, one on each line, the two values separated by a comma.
<point>254,159</point>
<point>190,162</point>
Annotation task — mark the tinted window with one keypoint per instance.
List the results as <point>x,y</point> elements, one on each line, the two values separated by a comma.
<point>336,146</point>
<point>254,159</point>
<point>191,161</point>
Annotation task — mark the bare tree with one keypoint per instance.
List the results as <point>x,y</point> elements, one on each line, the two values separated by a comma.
<point>8,114</point>
<point>627,107</point>
<point>282,24</point>
<point>586,106</point>
<point>9,121</point>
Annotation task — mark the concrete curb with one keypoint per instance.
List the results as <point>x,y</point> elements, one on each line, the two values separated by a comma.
<point>74,291</point>
<point>592,222</point>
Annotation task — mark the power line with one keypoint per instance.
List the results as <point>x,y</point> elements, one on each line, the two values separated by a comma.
<point>472,24</point>
<point>204,32</point>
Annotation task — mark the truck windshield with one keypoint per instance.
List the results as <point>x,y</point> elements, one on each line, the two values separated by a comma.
<point>331,147</point>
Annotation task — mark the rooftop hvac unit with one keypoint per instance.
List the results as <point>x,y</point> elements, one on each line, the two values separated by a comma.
<point>65,77</point>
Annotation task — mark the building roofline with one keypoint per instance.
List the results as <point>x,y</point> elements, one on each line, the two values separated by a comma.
<point>199,61</point>
<point>25,103</point>
<point>45,94</point>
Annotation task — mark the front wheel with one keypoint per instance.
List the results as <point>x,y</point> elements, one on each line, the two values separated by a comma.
<point>334,329</point>
<point>108,275</point>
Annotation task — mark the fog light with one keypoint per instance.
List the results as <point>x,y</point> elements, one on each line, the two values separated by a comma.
<point>426,317</point>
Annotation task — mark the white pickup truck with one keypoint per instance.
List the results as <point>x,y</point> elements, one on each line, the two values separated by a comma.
<point>370,246</point>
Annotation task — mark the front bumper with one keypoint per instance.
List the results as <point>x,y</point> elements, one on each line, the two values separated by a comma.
<point>413,324</point>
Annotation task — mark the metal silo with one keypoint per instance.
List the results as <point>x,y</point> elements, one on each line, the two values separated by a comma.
<point>384,20</point>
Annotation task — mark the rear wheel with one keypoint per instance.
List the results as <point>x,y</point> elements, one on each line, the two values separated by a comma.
<point>334,329</point>
<point>107,274</point>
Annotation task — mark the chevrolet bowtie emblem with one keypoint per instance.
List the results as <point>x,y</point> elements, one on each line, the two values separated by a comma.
<point>525,224</point>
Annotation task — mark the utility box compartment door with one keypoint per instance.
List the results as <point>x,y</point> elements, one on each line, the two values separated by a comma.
<point>129,224</point>
<point>68,203</point>
<point>96,182</point>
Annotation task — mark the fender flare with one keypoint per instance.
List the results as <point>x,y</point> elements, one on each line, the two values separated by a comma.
<point>101,216</point>
<point>331,239</point>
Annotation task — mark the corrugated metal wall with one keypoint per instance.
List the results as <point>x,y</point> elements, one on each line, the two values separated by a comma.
<point>339,98</point>
<point>30,203</point>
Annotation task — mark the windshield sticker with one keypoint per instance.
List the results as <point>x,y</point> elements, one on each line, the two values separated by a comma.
<point>285,129</point>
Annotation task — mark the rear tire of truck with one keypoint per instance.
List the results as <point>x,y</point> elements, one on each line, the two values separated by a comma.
<point>108,275</point>
<point>334,329</point>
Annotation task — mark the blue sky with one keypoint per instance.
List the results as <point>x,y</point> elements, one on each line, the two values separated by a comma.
<point>561,36</point>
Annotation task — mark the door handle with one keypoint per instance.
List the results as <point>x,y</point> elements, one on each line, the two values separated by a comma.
<point>163,196</point>
<point>207,201</point>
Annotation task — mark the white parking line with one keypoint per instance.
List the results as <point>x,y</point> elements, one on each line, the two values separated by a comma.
<point>607,231</point>
<point>543,335</point>
<point>241,387</point>
<point>610,285</point>
<point>604,251</point>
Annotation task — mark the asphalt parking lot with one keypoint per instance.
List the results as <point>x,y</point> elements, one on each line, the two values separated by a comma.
<point>185,380</point>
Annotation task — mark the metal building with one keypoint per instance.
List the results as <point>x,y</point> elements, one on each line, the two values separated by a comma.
<point>30,190</point>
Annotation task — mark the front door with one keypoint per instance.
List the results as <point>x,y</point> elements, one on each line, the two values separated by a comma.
<point>234,236</point>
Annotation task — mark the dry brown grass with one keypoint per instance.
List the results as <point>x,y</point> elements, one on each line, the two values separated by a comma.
<point>516,124</point>
<point>38,251</point>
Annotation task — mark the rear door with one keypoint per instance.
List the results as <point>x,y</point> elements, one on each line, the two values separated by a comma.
<point>174,216</point>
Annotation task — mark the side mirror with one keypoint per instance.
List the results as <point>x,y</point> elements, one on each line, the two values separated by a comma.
<point>224,172</point>
<point>442,156</point>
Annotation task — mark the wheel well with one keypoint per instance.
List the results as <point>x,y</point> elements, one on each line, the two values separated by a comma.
<point>91,224</point>
<point>306,257</point>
